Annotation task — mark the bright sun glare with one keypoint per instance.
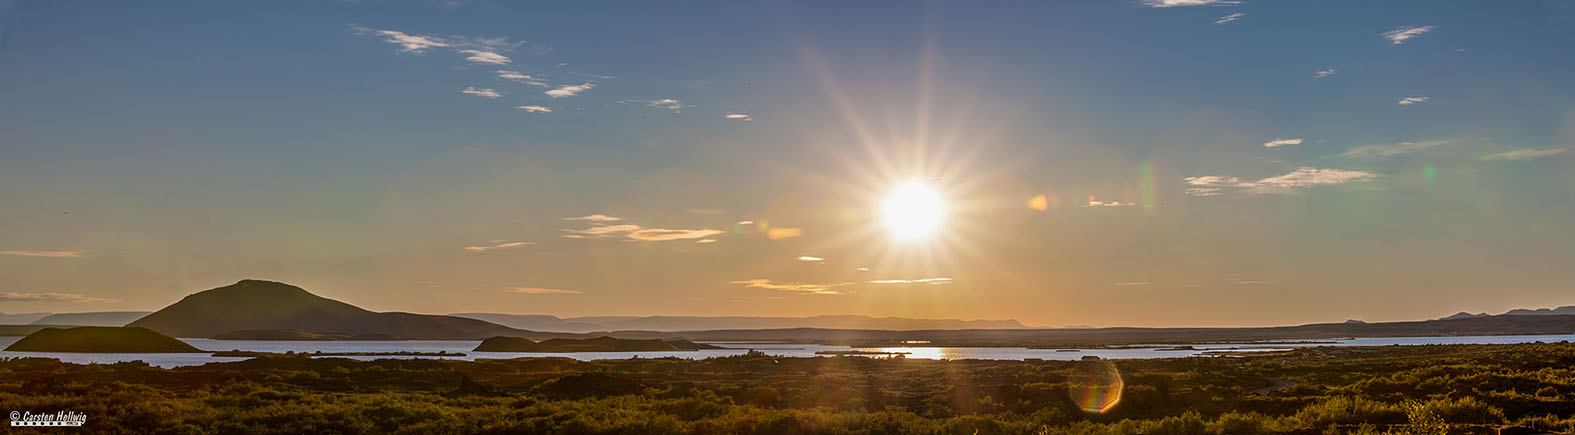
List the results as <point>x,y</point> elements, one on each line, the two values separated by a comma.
<point>913,212</point>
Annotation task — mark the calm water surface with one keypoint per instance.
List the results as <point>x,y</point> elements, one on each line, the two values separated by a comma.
<point>786,350</point>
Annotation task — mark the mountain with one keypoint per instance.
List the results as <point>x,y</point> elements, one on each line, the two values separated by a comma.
<point>534,322</point>
<point>267,305</point>
<point>21,318</point>
<point>695,323</point>
<point>105,318</point>
<point>1560,311</point>
<point>100,339</point>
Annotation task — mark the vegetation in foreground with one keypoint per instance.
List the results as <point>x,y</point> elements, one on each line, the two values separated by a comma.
<point>1397,390</point>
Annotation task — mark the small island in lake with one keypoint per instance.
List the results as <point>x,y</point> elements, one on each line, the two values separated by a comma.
<point>100,339</point>
<point>598,344</point>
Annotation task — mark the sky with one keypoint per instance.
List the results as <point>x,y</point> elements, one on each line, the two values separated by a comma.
<point>1103,163</point>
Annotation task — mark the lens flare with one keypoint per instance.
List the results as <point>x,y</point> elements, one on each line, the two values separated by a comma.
<point>1096,386</point>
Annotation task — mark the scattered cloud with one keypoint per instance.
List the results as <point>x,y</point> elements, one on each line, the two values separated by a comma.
<point>1211,180</point>
<point>485,56</point>
<point>811,259</point>
<point>535,109</point>
<point>594,218</point>
<point>746,222</point>
<point>543,291</point>
<point>1175,3</point>
<point>1133,283</point>
<point>525,78</point>
<point>1324,73</point>
<point>780,233</point>
<point>666,103</point>
<point>487,93</point>
<point>819,289</point>
<point>407,43</point>
<point>1527,154</point>
<point>706,241</point>
<point>1250,282</point>
<point>600,228</point>
<point>862,269</point>
<point>46,254</point>
<point>1306,177</point>
<point>738,116</point>
<point>912,281</point>
<point>1229,18</point>
<point>662,234</point>
<point>52,297</point>
<point>1412,100</point>
<point>497,244</point>
<point>569,90</point>
<point>1391,150</point>
<point>1097,203</point>
<point>1282,142</point>
<point>1213,185</point>
<point>1400,34</point>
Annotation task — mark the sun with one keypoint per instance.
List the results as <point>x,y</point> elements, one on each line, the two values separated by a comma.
<point>914,212</point>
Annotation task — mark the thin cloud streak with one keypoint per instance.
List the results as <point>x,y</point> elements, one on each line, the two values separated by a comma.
<point>1402,34</point>
<point>74,298</point>
<point>44,254</point>
<point>543,291</point>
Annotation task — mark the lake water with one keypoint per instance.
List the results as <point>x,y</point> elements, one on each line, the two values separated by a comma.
<point>778,349</point>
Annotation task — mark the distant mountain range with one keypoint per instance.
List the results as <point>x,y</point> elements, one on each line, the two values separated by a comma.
<point>21,318</point>
<point>1565,310</point>
<point>105,318</point>
<point>541,322</point>
<point>253,305</point>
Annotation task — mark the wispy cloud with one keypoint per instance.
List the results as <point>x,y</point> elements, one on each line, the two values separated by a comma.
<point>52,297</point>
<point>1097,203</point>
<point>1412,100</point>
<point>811,259</point>
<point>738,116</point>
<point>706,241</point>
<point>497,244</point>
<point>46,254</point>
<point>663,234</point>
<point>601,229</point>
<point>594,218</point>
<point>912,281</point>
<point>1229,18</point>
<point>1175,3</point>
<point>666,103</point>
<point>1324,73</point>
<point>1391,150</point>
<point>1282,142</point>
<point>1133,283</point>
<point>524,78</point>
<point>1401,34</point>
<point>485,56</point>
<point>820,289</point>
<point>1527,154</point>
<point>407,43</point>
<point>569,90</point>
<point>535,109</point>
<point>487,93</point>
<point>1304,177</point>
<point>543,291</point>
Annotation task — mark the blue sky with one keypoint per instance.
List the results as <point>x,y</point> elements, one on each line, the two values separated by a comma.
<point>1228,163</point>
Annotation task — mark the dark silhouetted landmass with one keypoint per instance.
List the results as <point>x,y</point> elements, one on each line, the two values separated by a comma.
<point>21,318</point>
<point>100,339</point>
<point>106,318</point>
<point>262,305</point>
<point>296,335</point>
<point>256,354</point>
<point>1455,389</point>
<point>598,344</point>
<point>1560,311</point>
<point>540,322</point>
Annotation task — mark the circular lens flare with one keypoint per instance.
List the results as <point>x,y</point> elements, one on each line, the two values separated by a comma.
<point>1096,386</point>
<point>913,212</point>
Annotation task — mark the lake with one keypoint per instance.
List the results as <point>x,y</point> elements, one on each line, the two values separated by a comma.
<point>778,349</point>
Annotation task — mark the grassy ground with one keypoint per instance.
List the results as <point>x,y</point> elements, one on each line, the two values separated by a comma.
<point>1411,390</point>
